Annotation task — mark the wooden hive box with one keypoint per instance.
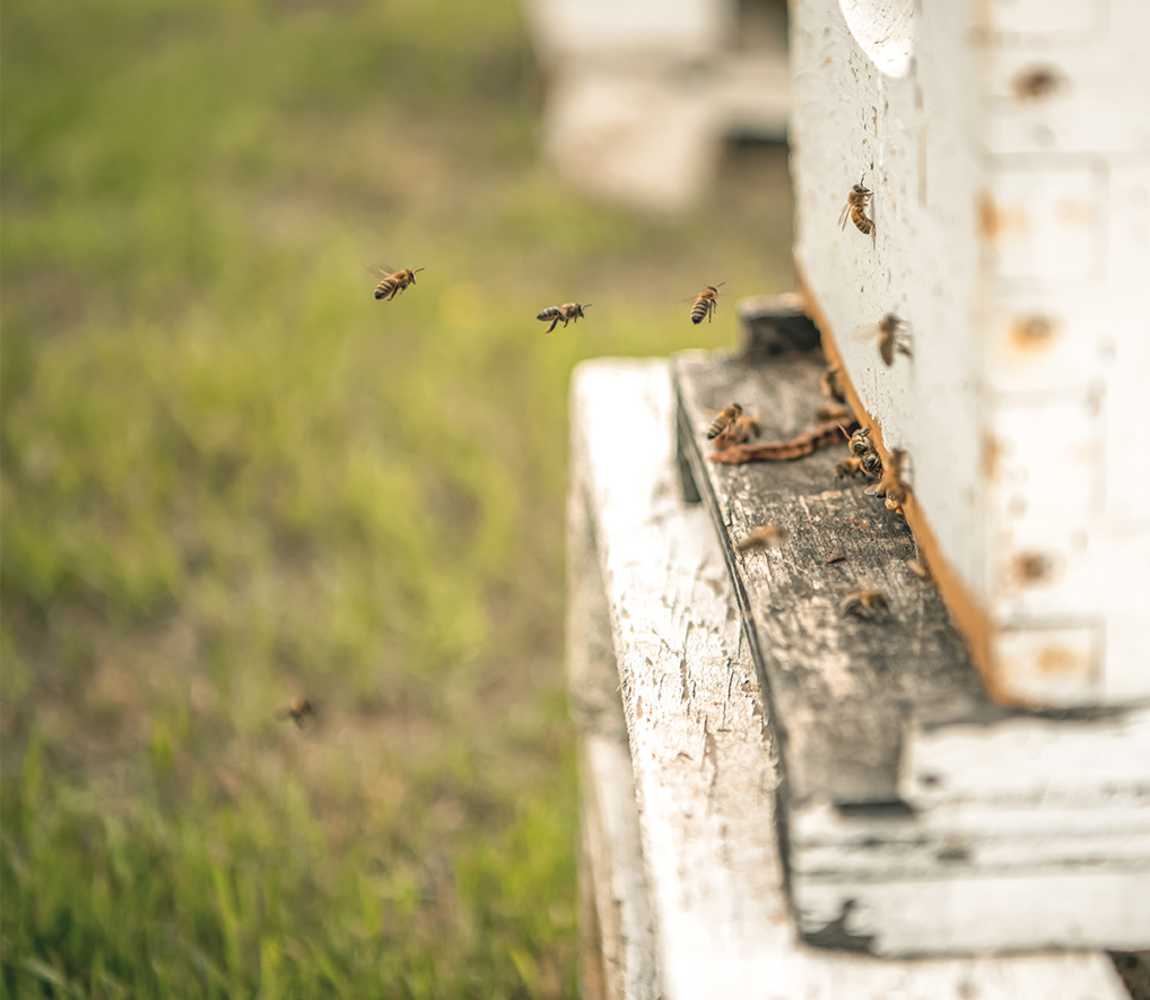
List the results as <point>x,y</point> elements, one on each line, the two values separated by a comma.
<point>1007,145</point>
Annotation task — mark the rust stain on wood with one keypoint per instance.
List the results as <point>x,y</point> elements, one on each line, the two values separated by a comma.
<point>799,446</point>
<point>1036,82</point>
<point>1031,333</point>
<point>1031,567</point>
<point>990,455</point>
<point>1059,660</point>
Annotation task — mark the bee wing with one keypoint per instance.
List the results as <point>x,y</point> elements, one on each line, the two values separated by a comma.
<point>843,215</point>
<point>862,333</point>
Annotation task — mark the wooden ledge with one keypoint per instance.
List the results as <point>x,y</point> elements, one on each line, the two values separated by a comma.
<point>703,781</point>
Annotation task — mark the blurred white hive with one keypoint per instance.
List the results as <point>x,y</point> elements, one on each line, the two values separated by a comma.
<point>640,95</point>
<point>1007,143</point>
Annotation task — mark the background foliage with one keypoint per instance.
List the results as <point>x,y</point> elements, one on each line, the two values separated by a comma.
<point>230,477</point>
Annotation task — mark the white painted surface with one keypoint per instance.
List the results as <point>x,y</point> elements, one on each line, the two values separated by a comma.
<point>702,755</point>
<point>1011,171</point>
<point>641,95</point>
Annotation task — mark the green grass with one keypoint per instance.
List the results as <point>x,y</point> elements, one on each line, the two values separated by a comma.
<point>230,477</point>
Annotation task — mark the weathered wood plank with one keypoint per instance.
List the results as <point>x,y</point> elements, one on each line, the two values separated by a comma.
<point>921,817</point>
<point>703,757</point>
<point>621,921</point>
<point>840,704</point>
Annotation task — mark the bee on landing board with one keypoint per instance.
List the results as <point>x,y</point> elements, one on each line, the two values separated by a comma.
<point>724,419</point>
<point>869,605</point>
<point>566,313</point>
<point>706,304</point>
<point>299,710</point>
<point>830,386</point>
<point>890,331</point>
<point>763,537</point>
<point>855,209</point>
<point>741,430</point>
<point>394,282</point>
<point>891,484</point>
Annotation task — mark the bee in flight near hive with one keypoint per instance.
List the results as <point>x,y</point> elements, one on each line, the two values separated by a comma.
<point>706,304</point>
<point>890,331</point>
<point>763,536</point>
<point>298,711</point>
<point>855,209</point>
<point>724,419</point>
<point>394,282</point>
<point>563,314</point>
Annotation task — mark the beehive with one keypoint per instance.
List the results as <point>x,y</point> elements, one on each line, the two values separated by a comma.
<point>1007,143</point>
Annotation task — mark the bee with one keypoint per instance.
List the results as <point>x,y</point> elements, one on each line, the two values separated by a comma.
<point>850,468</point>
<point>739,431</point>
<point>706,304</point>
<point>762,537</point>
<point>859,442</point>
<point>919,568</point>
<point>394,282</point>
<point>563,314</point>
<point>855,209</point>
<point>890,331</point>
<point>868,605</point>
<point>298,711</point>
<point>891,485</point>
<point>830,386</point>
<point>724,419</point>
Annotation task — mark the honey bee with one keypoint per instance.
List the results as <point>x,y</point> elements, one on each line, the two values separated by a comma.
<point>850,468</point>
<point>298,711</point>
<point>563,314</point>
<point>891,485</point>
<point>762,537</point>
<point>890,331</point>
<point>706,304</point>
<point>855,209</point>
<point>394,282</point>
<point>918,568</point>
<point>830,386</point>
<point>859,442</point>
<point>869,605</point>
<point>741,430</point>
<point>724,419</point>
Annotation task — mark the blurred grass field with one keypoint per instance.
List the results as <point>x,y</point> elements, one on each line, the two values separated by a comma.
<point>230,477</point>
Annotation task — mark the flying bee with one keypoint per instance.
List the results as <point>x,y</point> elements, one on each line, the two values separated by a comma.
<point>830,386</point>
<point>890,331</point>
<point>706,304</point>
<point>855,209</point>
<point>724,419</point>
<point>298,711</point>
<point>868,605</point>
<point>762,537</point>
<point>564,314</point>
<point>891,485</point>
<point>394,282</point>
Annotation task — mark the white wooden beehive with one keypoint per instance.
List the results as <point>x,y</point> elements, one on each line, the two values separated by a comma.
<point>640,95</point>
<point>1007,143</point>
